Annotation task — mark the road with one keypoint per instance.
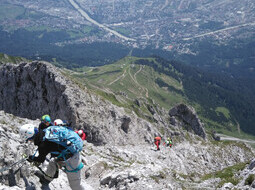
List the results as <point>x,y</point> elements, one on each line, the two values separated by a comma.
<point>86,16</point>
<point>229,138</point>
<point>221,30</point>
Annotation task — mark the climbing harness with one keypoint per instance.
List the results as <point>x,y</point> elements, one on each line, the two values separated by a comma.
<point>63,155</point>
<point>74,170</point>
<point>15,163</point>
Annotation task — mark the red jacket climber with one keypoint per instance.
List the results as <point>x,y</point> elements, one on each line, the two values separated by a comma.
<point>81,134</point>
<point>157,142</point>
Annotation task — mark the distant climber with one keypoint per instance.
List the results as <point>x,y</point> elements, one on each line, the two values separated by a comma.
<point>64,146</point>
<point>168,142</point>
<point>45,122</point>
<point>82,134</point>
<point>157,140</point>
<point>58,122</point>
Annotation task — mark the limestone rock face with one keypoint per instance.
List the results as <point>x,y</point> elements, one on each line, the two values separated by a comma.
<point>33,89</point>
<point>186,117</point>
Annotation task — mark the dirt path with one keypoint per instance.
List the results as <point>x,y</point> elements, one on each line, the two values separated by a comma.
<point>145,89</point>
<point>135,80</point>
<point>118,78</point>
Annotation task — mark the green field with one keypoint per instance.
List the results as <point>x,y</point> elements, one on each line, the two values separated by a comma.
<point>135,81</point>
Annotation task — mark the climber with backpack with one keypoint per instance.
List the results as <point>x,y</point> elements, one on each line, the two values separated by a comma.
<point>45,122</point>
<point>82,134</point>
<point>63,144</point>
<point>157,140</point>
<point>168,142</point>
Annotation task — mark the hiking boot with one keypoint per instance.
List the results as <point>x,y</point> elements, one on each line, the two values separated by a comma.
<point>42,180</point>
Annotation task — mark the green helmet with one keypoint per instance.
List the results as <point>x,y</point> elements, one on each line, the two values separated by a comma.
<point>168,138</point>
<point>46,118</point>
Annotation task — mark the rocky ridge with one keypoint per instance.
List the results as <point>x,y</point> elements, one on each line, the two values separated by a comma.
<point>119,153</point>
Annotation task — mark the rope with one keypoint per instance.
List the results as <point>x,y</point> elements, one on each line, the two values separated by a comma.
<point>13,164</point>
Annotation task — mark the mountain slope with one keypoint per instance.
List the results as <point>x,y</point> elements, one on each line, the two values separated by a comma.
<point>134,81</point>
<point>140,83</point>
<point>120,153</point>
<point>190,164</point>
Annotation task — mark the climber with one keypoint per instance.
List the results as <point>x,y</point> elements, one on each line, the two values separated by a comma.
<point>157,140</point>
<point>64,146</point>
<point>45,122</point>
<point>58,122</point>
<point>168,142</point>
<point>82,134</point>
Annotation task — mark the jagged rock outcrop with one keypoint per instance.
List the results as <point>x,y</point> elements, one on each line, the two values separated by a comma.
<point>32,89</point>
<point>186,117</point>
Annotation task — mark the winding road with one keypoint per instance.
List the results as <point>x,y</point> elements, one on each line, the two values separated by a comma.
<point>229,138</point>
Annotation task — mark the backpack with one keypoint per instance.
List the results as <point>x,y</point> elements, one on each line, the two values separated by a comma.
<point>64,137</point>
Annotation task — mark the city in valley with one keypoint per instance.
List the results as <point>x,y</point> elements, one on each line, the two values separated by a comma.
<point>162,24</point>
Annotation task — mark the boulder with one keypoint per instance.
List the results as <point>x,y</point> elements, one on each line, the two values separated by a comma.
<point>188,119</point>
